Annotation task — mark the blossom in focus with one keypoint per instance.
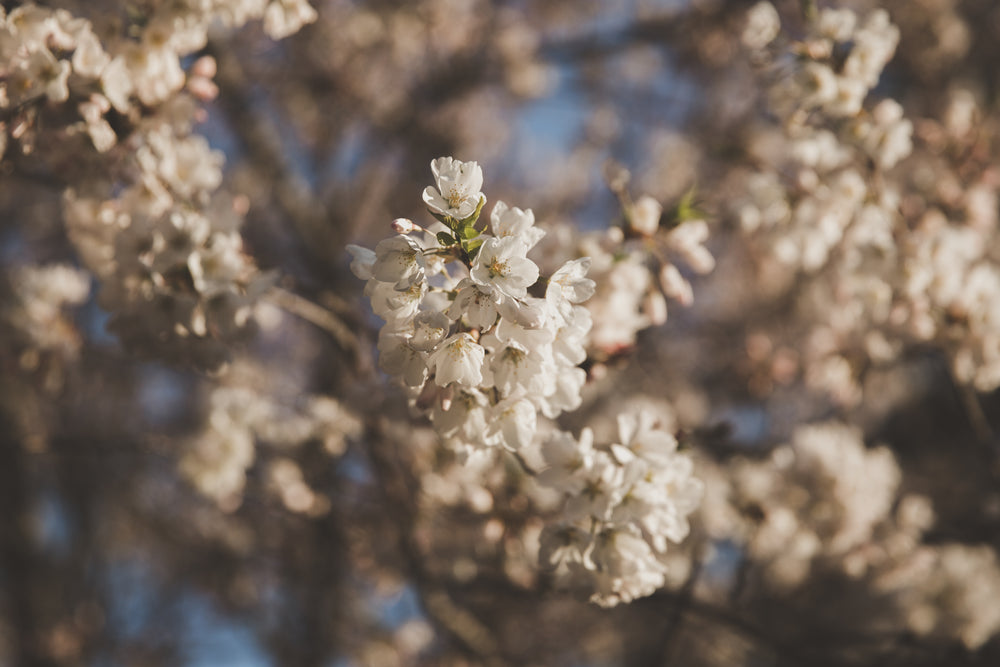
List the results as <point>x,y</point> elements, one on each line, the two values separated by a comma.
<point>512,221</point>
<point>398,260</point>
<point>457,194</point>
<point>501,263</point>
<point>459,359</point>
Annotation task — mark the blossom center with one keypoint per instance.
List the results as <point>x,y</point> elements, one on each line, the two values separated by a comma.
<point>456,195</point>
<point>458,348</point>
<point>514,356</point>
<point>497,268</point>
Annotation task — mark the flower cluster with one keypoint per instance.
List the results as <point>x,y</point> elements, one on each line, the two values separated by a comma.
<point>805,219</point>
<point>841,60</point>
<point>635,267</point>
<point>170,258</point>
<point>623,504</point>
<point>489,344</point>
<point>142,210</point>
<point>827,505</point>
<point>884,276</point>
<point>819,497</point>
<point>481,353</point>
<point>35,316</point>
<point>951,287</point>
<point>216,460</point>
<point>814,205</point>
<point>48,55</point>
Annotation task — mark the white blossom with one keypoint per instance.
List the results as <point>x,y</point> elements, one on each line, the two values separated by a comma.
<point>502,264</point>
<point>762,26</point>
<point>458,188</point>
<point>398,260</point>
<point>644,217</point>
<point>478,303</point>
<point>458,359</point>
<point>506,221</point>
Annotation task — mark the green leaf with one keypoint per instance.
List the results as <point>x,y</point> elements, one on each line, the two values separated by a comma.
<point>446,239</point>
<point>808,9</point>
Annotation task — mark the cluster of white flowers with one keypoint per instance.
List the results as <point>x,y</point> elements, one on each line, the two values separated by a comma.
<point>949,591</point>
<point>46,54</point>
<point>952,293</point>
<point>169,257</point>
<point>839,61</point>
<point>825,503</point>
<point>813,205</point>
<point>802,221</point>
<point>623,504</point>
<point>625,301</point>
<point>635,270</point>
<point>36,314</point>
<point>882,280</point>
<point>481,355</point>
<point>142,214</point>
<point>819,497</point>
<point>217,459</point>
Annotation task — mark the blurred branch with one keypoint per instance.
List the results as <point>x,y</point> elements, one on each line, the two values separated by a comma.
<point>315,314</point>
<point>307,213</point>
<point>469,633</point>
<point>670,31</point>
<point>16,561</point>
<point>683,599</point>
<point>974,411</point>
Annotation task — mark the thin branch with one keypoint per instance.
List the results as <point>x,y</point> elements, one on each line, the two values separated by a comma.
<point>683,600</point>
<point>974,411</point>
<point>315,314</point>
<point>528,470</point>
<point>470,634</point>
<point>291,193</point>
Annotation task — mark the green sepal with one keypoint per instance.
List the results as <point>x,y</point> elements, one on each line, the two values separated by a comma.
<point>446,239</point>
<point>471,220</point>
<point>472,247</point>
<point>468,232</point>
<point>444,219</point>
<point>687,209</point>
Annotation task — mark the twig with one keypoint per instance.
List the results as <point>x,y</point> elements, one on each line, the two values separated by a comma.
<point>315,314</point>
<point>974,411</point>
<point>471,635</point>
<point>463,626</point>
<point>292,194</point>
<point>523,464</point>
<point>681,602</point>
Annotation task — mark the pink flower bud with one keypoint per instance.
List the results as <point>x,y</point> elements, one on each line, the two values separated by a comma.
<point>204,67</point>
<point>403,225</point>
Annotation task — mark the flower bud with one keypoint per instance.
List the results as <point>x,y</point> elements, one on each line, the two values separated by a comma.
<point>674,285</point>
<point>403,225</point>
<point>655,308</point>
<point>204,67</point>
<point>645,216</point>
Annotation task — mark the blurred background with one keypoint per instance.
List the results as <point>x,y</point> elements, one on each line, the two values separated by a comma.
<point>291,511</point>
